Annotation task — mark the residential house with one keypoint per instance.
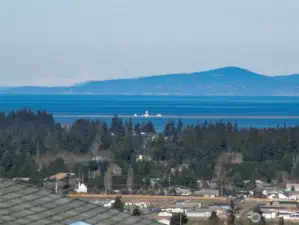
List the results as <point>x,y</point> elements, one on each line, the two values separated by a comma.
<point>182,190</point>
<point>212,184</point>
<point>274,193</point>
<point>188,204</point>
<point>60,176</point>
<point>274,182</point>
<point>268,191</point>
<point>81,188</point>
<point>173,209</point>
<point>154,181</point>
<point>220,206</point>
<point>202,213</point>
<point>164,221</point>
<point>294,195</point>
<point>270,215</point>
<point>60,181</point>
<point>199,183</point>
<point>55,185</point>
<point>165,214</point>
<point>262,184</point>
<point>179,208</point>
<point>292,185</point>
<point>207,192</point>
<point>286,204</point>
<point>142,158</point>
<point>139,204</point>
<point>109,204</point>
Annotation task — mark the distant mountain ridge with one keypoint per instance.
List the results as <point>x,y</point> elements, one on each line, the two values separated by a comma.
<point>227,81</point>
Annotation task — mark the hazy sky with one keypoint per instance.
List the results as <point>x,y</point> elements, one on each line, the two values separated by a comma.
<point>61,42</point>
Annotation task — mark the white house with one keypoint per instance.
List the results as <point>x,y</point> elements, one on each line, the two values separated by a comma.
<point>292,185</point>
<point>207,192</point>
<point>282,196</point>
<point>109,204</point>
<point>139,204</point>
<point>165,214</point>
<point>81,188</point>
<point>203,213</point>
<point>173,210</point>
<point>141,158</point>
<point>164,221</point>
<point>294,195</point>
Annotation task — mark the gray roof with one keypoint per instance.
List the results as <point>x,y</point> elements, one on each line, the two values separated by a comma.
<point>25,204</point>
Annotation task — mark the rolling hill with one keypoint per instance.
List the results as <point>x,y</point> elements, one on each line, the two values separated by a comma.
<point>228,81</point>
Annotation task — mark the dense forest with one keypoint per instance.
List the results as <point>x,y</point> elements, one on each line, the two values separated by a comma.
<point>203,151</point>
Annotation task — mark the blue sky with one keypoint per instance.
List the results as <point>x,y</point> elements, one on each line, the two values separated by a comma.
<point>61,42</point>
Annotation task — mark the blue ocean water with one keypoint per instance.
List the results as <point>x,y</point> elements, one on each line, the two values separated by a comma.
<point>67,108</point>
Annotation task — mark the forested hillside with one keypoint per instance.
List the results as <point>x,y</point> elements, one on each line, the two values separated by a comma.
<point>203,151</point>
<point>227,81</point>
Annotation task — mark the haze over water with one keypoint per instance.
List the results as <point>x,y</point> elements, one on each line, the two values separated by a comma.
<point>68,108</point>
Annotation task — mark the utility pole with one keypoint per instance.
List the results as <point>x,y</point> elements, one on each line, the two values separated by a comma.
<point>106,182</point>
<point>37,158</point>
<point>70,174</point>
<point>169,179</point>
<point>56,186</point>
<point>180,218</point>
<point>79,174</point>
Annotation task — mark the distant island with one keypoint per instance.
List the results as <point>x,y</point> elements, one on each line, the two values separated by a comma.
<point>228,81</point>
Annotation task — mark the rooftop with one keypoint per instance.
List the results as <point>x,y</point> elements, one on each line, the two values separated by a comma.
<point>25,204</point>
<point>60,176</point>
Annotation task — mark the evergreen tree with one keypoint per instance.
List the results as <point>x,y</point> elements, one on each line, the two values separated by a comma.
<point>213,219</point>
<point>136,211</point>
<point>231,218</point>
<point>179,219</point>
<point>180,126</point>
<point>271,153</point>
<point>205,185</point>
<point>232,204</point>
<point>118,204</point>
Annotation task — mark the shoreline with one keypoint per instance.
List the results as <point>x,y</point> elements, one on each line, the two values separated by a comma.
<point>177,117</point>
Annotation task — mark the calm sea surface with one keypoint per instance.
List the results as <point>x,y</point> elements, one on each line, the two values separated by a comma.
<point>67,108</point>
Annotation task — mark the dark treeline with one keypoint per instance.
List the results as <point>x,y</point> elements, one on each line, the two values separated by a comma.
<point>202,151</point>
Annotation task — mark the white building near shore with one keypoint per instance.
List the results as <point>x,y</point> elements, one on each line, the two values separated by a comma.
<point>81,188</point>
